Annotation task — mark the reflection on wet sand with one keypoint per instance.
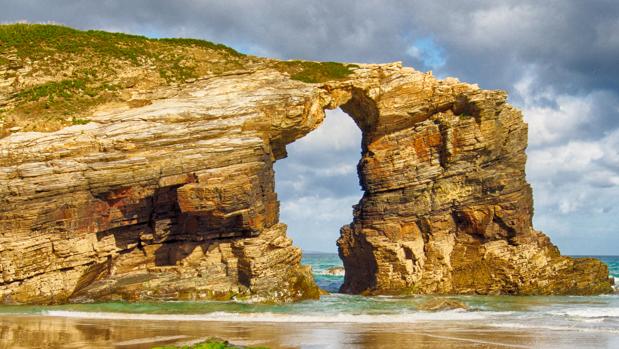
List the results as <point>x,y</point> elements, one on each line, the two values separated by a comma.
<point>17,331</point>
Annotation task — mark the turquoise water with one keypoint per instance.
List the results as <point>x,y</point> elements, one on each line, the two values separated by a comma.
<point>613,266</point>
<point>320,263</point>
<point>590,314</point>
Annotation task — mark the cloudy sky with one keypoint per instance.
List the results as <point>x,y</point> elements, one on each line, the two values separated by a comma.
<point>559,60</point>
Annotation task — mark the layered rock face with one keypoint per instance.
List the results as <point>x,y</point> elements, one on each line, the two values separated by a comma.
<point>171,200</point>
<point>174,198</point>
<point>446,207</point>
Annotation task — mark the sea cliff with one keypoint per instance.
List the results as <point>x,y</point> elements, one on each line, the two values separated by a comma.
<point>135,169</point>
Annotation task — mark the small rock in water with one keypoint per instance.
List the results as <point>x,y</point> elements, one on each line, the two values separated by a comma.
<point>436,304</point>
<point>336,271</point>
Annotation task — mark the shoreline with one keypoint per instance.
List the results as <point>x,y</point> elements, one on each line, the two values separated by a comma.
<point>334,321</point>
<point>269,317</point>
<point>32,331</point>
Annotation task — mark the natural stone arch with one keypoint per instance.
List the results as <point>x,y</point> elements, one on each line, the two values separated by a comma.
<point>175,199</point>
<point>446,206</point>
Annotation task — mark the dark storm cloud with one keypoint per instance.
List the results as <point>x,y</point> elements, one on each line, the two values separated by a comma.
<point>557,58</point>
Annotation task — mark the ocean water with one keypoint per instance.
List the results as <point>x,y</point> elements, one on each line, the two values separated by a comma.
<point>598,314</point>
<point>613,266</point>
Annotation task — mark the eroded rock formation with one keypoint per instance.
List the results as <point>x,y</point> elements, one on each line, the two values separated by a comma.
<point>174,198</point>
<point>447,208</point>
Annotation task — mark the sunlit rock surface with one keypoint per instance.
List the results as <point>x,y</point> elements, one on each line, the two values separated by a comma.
<point>175,199</point>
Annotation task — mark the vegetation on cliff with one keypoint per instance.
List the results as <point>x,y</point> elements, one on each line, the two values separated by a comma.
<point>53,75</point>
<point>313,72</point>
<point>56,74</point>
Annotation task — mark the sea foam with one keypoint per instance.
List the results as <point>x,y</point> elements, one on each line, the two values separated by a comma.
<point>452,315</point>
<point>589,312</point>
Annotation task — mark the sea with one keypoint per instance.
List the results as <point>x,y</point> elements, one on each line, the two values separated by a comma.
<point>592,316</point>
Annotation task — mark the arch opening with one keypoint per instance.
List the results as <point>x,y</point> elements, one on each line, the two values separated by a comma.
<point>317,185</point>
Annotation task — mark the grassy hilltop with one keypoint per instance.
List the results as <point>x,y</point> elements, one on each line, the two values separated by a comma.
<point>54,76</point>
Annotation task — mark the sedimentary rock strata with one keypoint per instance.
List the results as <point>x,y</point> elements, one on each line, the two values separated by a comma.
<point>447,208</point>
<point>174,198</point>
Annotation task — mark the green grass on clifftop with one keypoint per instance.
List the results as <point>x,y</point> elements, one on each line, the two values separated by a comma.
<point>39,40</point>
<point>53,75</point>
<point>313,72</point>
<point>57,74</point>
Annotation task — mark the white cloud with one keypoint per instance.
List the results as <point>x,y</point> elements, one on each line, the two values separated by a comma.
<point>611,149</point>
<point>552,117</point>
<point>340,169</point>
<point>296,184</point>
<point>338,132</point>
<point>575,156</point>
<point>575,191</point>
<point>550,124</point>
<point>575,177</point>
<point>321,208</point>
<point>314,222</point>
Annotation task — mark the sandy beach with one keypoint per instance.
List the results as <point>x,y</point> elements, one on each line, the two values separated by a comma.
<point>19,331</point>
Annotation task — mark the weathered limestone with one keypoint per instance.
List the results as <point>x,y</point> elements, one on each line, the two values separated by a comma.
<point>170,200</point>
<point>175,199</point>
<point>446,207</point>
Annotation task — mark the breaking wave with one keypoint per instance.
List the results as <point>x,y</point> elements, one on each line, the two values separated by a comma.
<point>452,315</point>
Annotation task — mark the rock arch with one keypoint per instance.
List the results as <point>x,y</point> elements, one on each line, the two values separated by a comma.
<point>446,206</point>
<point>175,199</point>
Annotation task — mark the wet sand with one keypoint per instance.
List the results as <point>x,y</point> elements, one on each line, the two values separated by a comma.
<point>36,331</point>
